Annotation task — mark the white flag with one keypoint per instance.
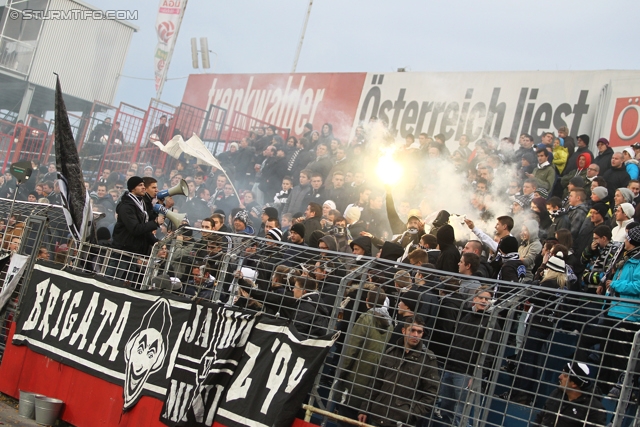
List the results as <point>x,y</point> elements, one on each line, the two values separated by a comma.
<point>167,27</point>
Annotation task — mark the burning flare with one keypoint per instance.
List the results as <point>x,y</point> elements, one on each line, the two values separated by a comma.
<point>389,171</point>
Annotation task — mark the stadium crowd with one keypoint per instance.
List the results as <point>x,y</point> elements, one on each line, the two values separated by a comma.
<point>547,212</point>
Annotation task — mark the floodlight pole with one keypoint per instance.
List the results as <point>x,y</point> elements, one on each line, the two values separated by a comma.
<point>304,30</point>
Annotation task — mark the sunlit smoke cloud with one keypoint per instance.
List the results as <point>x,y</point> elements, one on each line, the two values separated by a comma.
<point>434,184</point>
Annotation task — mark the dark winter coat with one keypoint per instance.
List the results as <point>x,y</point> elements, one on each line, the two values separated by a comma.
<point>449,254</point>
<point>604,160</point>
<point>559,411</point>
<point>405,387</point>
<point>130,231</point>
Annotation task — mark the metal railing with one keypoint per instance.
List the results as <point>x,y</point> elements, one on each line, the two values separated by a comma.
<point>472,372</point>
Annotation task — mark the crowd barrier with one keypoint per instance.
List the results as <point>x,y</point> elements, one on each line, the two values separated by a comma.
<point>200,265</point>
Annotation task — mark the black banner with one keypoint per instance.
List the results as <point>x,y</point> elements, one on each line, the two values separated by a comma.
<point>273,378</point>
<point>209,351</point>
<point>121,335</point>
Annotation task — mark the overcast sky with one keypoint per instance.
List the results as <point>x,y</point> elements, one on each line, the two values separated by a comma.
<point>260,36</point>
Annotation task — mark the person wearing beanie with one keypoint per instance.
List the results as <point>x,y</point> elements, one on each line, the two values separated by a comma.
<point>241,224</point>
<point>275,234</point>
<point>603,159</point>
<point>615,330</point>
<point>297,233</point>
<point>542,323</point>
<point>570,403</point>
<point>623,215</point>
<point>132,229</point>
<point>599,194</point>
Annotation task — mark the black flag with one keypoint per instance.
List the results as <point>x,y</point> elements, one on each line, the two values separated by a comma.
<point>74,196</point>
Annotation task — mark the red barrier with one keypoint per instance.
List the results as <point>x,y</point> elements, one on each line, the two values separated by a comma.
<point>119,153</point>
<point>241,124</point>
<point>89,401</point>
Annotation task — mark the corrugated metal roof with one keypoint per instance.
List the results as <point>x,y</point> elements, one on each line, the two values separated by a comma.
<point>87,54</point>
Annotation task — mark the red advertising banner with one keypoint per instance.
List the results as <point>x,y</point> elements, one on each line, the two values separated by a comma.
<point>285,100</point>
<point>625,124</point>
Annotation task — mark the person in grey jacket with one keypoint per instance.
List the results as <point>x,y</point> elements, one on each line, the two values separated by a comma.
<point>530,246</point>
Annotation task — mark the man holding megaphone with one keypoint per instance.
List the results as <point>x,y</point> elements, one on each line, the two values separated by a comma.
<point>134,227</point>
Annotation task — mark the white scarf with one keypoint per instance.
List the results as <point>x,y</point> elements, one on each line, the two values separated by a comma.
<point>540,166</point>
<point>140,205</point>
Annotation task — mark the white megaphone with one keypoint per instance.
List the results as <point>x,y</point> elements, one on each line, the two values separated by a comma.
<point>175,218</point>
<point>181,188</point>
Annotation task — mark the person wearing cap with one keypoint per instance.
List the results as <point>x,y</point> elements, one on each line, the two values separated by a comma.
<point>363,350</point>
<point>616,176</point>
<point>623,215</point>
<point>545,308</point>
<point>573,403</point>
<point>599,256</point>
<point>603,159</point>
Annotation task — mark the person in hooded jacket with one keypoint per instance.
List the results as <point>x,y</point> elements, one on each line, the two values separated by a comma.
<point>364,349</point>
<point>530,246</point>
<point>441,219</point>
<point>449,254</point>
<point>361,246</point>
<point>583,149</point>
<point>583,161</point>
<point>539,207</point>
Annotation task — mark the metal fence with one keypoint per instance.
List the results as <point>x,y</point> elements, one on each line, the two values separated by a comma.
<point>491,362</point>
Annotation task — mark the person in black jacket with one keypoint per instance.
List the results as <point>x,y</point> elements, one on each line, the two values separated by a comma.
<point>304,307</point>
<point>544,311</point>
<point>468,338</point>
<point>449,254</point>
<point>131,229</point>
<point>603,159</point>
<point>573,403</point>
